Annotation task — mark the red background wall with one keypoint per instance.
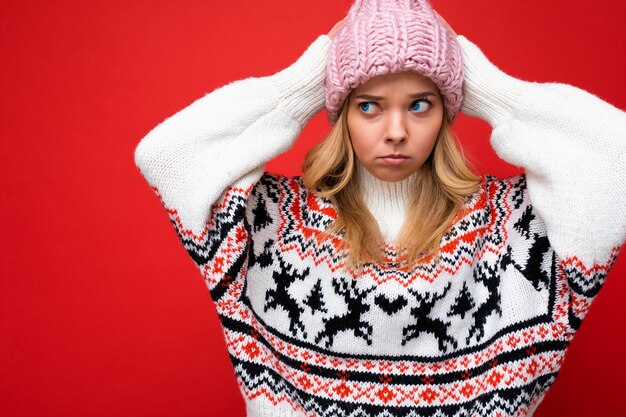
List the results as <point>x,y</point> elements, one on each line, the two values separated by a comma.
<point>101,311</point>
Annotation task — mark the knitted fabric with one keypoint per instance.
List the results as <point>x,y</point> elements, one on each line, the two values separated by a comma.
<point>388,36</point>
<point>480,332</point>
<point>387,201</point>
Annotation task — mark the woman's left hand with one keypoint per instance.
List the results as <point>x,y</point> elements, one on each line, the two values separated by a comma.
<point>336,28</point>
<point>445,23</point>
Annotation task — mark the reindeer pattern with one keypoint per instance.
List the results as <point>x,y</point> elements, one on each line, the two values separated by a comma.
<point>339,312</point>
<point>330,309</point>
<point>352,320</point>
<point>323,309</point>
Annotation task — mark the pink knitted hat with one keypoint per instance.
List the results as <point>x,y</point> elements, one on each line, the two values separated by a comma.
<point>387,36</point>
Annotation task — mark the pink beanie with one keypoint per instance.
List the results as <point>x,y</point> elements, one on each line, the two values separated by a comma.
<point>387,36</point>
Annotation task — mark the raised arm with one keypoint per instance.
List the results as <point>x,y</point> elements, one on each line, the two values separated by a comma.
<point>572,146</point>
<point>226,137</point>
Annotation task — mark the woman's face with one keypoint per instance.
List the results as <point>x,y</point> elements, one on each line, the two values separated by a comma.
<point>394,121</point>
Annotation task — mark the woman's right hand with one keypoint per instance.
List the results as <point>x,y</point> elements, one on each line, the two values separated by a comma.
<point>336,28</point>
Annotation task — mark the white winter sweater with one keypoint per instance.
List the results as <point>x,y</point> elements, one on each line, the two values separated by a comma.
<point>482,331</point>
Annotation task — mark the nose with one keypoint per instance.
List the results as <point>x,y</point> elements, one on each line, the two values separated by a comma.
<point>396,128</point>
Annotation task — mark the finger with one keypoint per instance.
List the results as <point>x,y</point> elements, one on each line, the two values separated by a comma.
<point>445,22</point>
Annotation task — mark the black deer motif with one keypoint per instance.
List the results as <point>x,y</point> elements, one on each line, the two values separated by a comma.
<point>356,306</point>
<point>284,277</point>
<point>490,277</point>
<point>540,247</point>
<point>426,324</point>
<point>264,259</point>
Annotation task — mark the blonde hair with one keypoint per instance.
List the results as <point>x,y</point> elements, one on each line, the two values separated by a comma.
<point>442,185</point>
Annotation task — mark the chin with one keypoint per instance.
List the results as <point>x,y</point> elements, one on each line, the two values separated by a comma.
<point>393,176</point>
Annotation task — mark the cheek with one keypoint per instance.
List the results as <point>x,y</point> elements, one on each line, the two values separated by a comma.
<point>360,136</point>
<point>428,134</point>
<point>423,141</point>
<point>434,133</point>
<point>363,145</point>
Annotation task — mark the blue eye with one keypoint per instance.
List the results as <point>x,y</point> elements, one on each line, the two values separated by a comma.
<point>420,105</point>
<point>366,107</point>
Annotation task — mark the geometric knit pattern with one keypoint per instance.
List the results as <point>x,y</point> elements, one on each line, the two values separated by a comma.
<point>482,331</point>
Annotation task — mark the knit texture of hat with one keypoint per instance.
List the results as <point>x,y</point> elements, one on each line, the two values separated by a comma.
<point>388,36</point>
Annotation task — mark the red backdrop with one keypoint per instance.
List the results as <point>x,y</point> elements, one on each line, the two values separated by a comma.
<point>101,311</point>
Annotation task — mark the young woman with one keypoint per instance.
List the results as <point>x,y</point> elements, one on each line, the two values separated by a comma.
<point>389,279</point>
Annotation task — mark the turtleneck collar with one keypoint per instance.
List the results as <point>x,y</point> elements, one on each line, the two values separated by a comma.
<point>387,201</point>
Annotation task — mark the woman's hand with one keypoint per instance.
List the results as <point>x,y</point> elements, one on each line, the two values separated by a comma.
<point>445,23</point>
<point>336,28</point>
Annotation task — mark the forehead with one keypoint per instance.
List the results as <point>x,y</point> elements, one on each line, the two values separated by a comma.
<point>406,81</point>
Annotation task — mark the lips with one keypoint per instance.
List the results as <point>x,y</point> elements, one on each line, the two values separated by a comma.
<point>395,160</point>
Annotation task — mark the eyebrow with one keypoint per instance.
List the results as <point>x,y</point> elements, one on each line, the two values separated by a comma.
<point>378,98</point>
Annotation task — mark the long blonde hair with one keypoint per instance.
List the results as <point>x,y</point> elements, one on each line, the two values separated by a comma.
<point>442,185</point>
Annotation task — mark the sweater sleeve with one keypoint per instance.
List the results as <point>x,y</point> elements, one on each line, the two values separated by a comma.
<point>572,146</point>
<point>224,139</point>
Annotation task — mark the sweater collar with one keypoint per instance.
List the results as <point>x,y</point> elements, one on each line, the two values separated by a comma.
<point>387,201</point>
